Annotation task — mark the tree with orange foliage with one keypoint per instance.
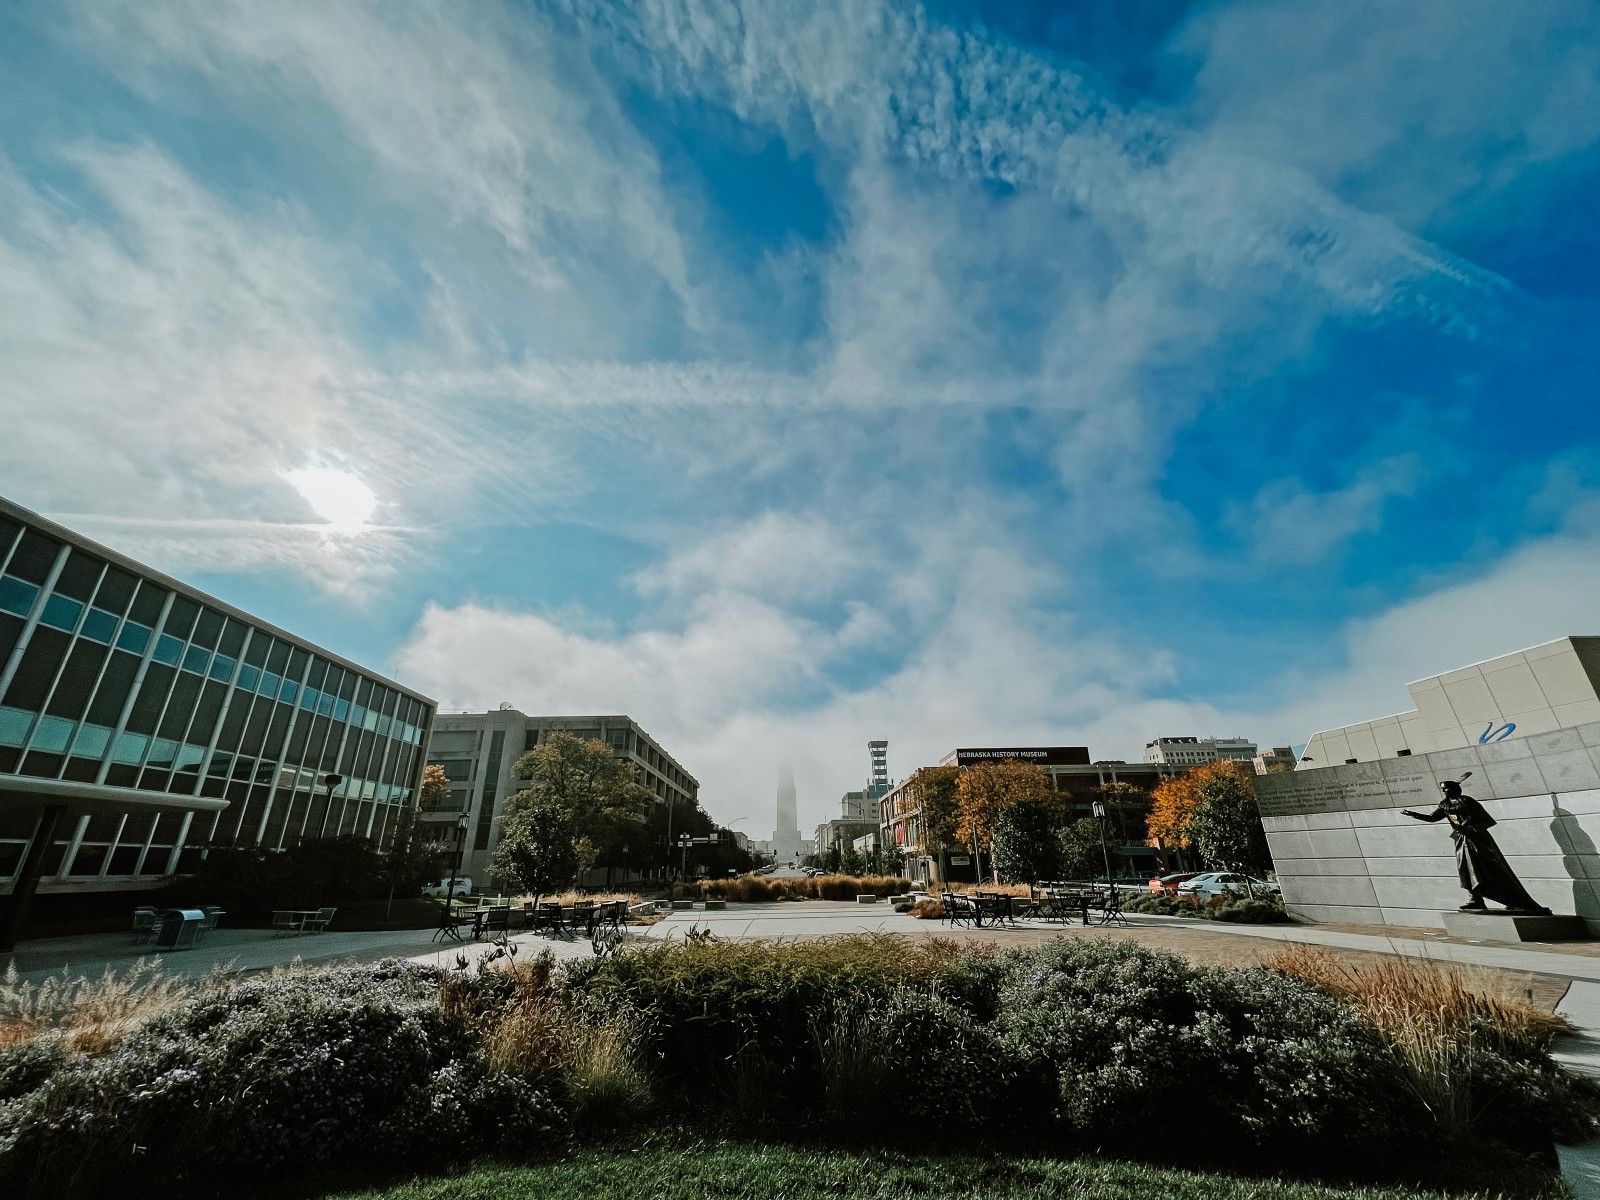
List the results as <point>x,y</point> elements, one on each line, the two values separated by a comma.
<point>1176,801</point>
<point>986,790</point>
<point>1171,805</point>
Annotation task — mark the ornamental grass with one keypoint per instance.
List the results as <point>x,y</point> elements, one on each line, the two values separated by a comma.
<point>89,1015</point>
<point>1475,1046</point>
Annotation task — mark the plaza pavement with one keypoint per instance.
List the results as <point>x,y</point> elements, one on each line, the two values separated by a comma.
<point>251,950</point>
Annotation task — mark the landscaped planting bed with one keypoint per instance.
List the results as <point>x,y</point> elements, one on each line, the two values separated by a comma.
<point>1062,1054</point>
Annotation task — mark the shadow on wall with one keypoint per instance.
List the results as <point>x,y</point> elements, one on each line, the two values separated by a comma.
<point>1576,845</point>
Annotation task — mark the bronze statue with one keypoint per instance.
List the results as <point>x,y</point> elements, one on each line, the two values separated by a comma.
<point>1483,869</point>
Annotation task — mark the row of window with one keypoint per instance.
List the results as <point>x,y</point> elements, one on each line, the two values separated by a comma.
<point>128,683</point>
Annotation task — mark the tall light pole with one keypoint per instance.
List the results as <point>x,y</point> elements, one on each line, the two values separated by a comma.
<point>330,782</point>
<point>1100,816</point>
<point>461,846</point>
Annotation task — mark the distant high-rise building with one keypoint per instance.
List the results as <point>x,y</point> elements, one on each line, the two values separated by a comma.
<point>786,841</point>
<point>878,782</point>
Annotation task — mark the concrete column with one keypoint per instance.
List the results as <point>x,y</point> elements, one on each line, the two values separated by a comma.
<point>14,908</point>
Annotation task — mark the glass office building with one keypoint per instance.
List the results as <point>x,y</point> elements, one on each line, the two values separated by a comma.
<point>141,720</point>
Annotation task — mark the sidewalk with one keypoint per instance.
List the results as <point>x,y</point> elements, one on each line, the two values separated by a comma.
<point>243,950</point>
<point>823,918</point>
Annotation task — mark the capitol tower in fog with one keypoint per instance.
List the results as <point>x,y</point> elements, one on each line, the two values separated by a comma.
<point>786,843</point>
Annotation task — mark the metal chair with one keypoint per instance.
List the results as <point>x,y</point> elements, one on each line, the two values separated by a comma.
<point>285,922</point>
<point>492,920</point>
<point>319,922</point>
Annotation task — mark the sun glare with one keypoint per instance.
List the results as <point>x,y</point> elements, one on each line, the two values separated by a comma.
<point>338,497</point>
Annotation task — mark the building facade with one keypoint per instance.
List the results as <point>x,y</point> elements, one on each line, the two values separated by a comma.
<point>142,720</point>
<point>479,750</point>
<point>1525,725</point>
<point>1124,788</point>
<point>1190,752</point>
<point>1551,686</point>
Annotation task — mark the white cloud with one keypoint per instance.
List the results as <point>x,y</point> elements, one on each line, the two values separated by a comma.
<point>1288,524</point>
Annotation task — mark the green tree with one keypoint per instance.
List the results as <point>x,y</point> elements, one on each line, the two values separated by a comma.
<point>1027,845</point>
<point>1081,854</point>
<point>1225,825</point>
<point>538,851</point>
<point>599,791</point>
<point>985,791</point>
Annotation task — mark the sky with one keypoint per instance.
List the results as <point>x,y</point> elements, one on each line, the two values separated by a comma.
<point>790,375</point>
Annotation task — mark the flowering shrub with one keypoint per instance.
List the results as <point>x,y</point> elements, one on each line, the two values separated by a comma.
<point>349,1065</point>
<point>1275,1064</point>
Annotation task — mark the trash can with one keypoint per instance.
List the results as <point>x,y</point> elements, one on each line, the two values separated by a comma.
<point>180,928</point>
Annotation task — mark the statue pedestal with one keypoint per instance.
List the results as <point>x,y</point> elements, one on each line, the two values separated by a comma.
<point>1501,926</point>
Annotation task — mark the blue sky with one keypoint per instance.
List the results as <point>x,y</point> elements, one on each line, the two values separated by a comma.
<point>792,375</point>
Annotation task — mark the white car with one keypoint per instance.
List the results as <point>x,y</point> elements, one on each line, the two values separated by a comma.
<point>459,886</point>
<point>1214,883</point>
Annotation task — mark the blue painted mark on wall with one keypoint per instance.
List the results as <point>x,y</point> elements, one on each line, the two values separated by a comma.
<point>1491,734</point>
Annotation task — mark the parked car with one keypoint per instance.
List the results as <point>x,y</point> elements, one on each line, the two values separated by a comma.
<point>1167,885</point>
<point>459,886</point>
<point>1213,883</point>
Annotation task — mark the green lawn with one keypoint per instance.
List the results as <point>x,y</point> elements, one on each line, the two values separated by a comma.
<point>738,1170</point>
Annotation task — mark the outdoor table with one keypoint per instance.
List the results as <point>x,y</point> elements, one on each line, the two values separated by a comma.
<point>296,918</point>
<point>993,907</point>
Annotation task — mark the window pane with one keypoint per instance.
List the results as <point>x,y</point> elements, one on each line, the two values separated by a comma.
<point>133,638</point>
<point>180,618</point>
<point>37,672</point>
<point>79,577</point>
<point>222,668</point>
<point>161,752</point>
<point>61,612</point>
<point>33,557</point>
<point>91,741</point>
<point>288,691</point>
<point>270,684</point>
<point>168,650</point>
<point>147,604</point>
<point>99,625</point>
<point>248,678</point>
<point>14,726</point>
<point>16,595</point>
<point>116,589</point>
<point>130,748</point>
<point>78,675</point>
<point>195,659</point>
<point>51,734</point>
<point>208,629</point>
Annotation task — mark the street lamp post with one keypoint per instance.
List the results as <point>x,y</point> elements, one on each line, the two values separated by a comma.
<point>461,847</point>
<point>1100,816</point>
<point>330,782</point>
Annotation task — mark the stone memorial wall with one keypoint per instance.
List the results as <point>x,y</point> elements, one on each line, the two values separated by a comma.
<point>1344,853</point>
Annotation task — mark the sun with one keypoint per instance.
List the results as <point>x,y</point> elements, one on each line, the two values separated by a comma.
<point>338,497</point>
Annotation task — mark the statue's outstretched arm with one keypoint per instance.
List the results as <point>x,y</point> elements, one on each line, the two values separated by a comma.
<point>1437,814</point>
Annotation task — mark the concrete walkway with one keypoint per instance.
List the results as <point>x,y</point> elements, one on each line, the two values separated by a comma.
<point>243,950</point>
